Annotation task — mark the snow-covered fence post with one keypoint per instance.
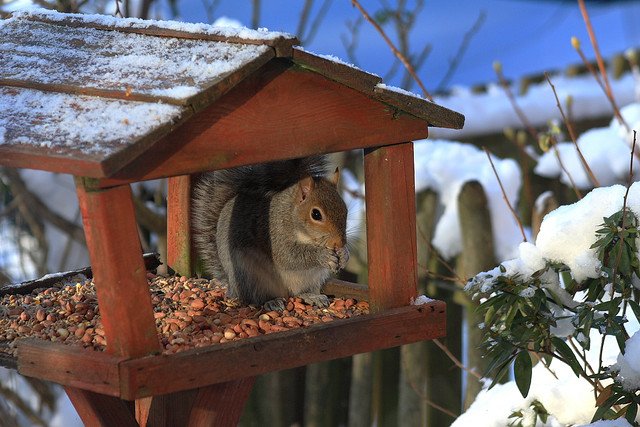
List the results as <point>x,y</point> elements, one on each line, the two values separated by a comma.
<point>477,255</point>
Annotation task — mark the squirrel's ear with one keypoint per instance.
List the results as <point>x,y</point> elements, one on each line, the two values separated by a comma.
<point>305,186</point>
<point>335,179</point>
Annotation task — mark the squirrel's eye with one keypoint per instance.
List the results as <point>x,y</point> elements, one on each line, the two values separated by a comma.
<point>316,214</point>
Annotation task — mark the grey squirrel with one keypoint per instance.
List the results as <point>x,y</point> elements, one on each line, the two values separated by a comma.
<point>272,230</point>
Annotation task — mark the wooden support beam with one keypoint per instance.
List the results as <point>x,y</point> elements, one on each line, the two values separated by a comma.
<point>180,255</point>
<point>218,137</point>
<point>101,410</point>
<point>221,404</point>
<point>214,405</point>
<point>140,377</point>
<point>69,365</point>
<point>220,363</point>
<point>391,225</point>
<point>118,270</point>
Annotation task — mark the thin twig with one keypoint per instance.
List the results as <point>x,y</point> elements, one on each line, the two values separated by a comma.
<point>455,62</point>
<point>455,360</point>
<point>554,147</point>
<point>512,99</point>
<point>504,195</point>
<point>441,260</point>
<point>587,365</point>
<point>395,51</point>
<point>118,12</point>
<point>541,360</point>
<point>306,36</point>
<point>624,216</point>
<point>423,396</point>
<point>572,134</point>
<point>596,49</point>
<point>606,86</point>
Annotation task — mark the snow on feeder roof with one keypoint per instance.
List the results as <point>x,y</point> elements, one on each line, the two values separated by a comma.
<point>89,94</point>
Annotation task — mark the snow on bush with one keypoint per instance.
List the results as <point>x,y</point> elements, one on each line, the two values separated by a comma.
<point>563,295</point>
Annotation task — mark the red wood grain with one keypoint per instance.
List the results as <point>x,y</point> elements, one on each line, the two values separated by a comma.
<point>299,347</point>
<point>391,225</point>
<point>221,404</point>
<point>179,247</point>
<point>279,112</point>
<point>162,374</point>
<point>69,365</point>
<point>118,270</point>
<point>100,410</point>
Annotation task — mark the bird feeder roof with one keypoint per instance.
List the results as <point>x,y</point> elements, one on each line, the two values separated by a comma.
<point>88,94</point>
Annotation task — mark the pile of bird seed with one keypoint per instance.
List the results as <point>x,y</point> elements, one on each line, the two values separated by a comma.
<point>189,313</point>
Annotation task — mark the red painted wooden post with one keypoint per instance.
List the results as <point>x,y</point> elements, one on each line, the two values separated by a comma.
<point>221,404</point>
<point>118,270</point>
<point>180,255</point>
<point>391,225</point>
<point>101,410</point>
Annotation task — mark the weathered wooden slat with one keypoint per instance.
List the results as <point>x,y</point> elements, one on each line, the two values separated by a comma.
<point>151,262</point>
<point>433,114</point>
<point>119,274</point>
<point>391,225</point>
<point>347,75</point>
<point>193,368</point>
<point>269,116</point>
<point>180,254</point>
<point>116,65</point>
<point>69,365</point>
<point>282,43</point>
<point>40,132</point>
<point>99,410</point>
<point>343,289</point>
<point>91,91</point>
<point>140,377</point>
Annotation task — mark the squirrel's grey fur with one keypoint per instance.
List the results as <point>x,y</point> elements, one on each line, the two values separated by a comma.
<point>249,232</point>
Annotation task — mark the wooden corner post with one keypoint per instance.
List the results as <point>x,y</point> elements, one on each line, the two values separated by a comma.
<point>180,255</point>
<point>391,225</point>
<point>118,270</point>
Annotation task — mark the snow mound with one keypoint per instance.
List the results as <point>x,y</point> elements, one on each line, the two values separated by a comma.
<point>444,167</point>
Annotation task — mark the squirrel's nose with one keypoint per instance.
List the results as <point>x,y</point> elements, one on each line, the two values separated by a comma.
<point>337,243</point>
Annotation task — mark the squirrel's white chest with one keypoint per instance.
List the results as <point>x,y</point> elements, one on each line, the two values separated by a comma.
<point>301,281</point>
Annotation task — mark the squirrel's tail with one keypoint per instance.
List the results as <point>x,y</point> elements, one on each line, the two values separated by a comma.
<point>269,178</point>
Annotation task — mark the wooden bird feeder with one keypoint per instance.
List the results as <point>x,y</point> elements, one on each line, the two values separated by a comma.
<point>116,101</point>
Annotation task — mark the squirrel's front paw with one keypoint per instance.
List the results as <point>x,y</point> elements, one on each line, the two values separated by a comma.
<point>319,300</point>
<point>338,259</point>
<point>276,304</point>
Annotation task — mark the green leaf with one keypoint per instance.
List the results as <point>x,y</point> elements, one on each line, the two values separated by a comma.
<point>635,307</point>
<point>522,372</point>
<point>632,412</point>
<point>566,353</point>
<point>604,411</point>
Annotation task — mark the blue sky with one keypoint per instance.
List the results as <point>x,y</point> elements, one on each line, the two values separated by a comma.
<point>527,36</point>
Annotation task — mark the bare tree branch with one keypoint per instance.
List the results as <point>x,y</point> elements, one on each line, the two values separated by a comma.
<point>255,14</point>
<point>39,209</point>
<point>455,62</point>
<point>405,61</point>
<point>351,44</point>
